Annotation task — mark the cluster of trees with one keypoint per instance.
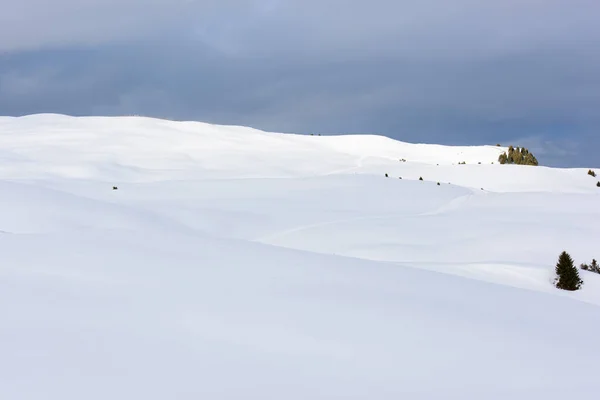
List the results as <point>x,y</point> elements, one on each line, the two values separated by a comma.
<point>518,155</point>
<point>567,275</point>
<point>593,267</point>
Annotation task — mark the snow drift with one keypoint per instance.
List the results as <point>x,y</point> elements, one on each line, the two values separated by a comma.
<point>234,263</point>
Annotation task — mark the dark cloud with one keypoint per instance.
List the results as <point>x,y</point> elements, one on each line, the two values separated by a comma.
<point>469,72</point>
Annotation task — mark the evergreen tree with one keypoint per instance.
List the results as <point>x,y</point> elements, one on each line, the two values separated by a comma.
<point>530,159</point>
<point>517,157</point>
<point>593,267</point>
<point>567,276</point>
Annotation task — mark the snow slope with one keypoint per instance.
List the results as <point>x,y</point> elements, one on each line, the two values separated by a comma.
<point>233,263</point>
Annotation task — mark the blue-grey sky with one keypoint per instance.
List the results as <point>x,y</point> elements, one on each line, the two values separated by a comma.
<point>523,72</point>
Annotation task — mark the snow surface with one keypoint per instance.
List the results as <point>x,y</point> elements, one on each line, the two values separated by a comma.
<point>233,263</point>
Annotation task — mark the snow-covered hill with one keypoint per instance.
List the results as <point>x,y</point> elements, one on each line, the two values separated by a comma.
<point>137,149</point>
<point>234,263</point>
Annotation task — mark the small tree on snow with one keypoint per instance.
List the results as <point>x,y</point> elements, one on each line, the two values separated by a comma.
<point>567,276</point>
<point>593,267</point>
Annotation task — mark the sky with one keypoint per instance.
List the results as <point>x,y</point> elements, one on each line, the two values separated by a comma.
<point>465,72</point>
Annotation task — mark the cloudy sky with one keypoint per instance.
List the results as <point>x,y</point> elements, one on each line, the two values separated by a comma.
<point>523,72</point>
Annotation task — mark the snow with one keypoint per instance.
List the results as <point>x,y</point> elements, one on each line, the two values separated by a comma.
<point>234,263</point>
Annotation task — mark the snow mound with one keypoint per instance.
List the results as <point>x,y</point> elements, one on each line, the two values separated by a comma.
<point>234,263</point>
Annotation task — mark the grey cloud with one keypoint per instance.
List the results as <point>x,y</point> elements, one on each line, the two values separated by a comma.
<point>34,24</point>
<point>248,27</point>
<point>425,28</point>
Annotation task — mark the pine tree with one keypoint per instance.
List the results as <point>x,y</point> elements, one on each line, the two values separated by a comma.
<point>567,276</point>
<point>532,160</point>
<point>510,158</point>
<point>517,157</point>
<point>593,267</point>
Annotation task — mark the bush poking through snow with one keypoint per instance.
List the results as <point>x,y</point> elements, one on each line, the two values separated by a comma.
<point>592,173</point>
<point>519,156</point>
<point>593,267</point>
<point>386,175</point>
<point>420,178</point>
<point>598,184</point>
<point>438,184</point>
<point>567,276</point>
